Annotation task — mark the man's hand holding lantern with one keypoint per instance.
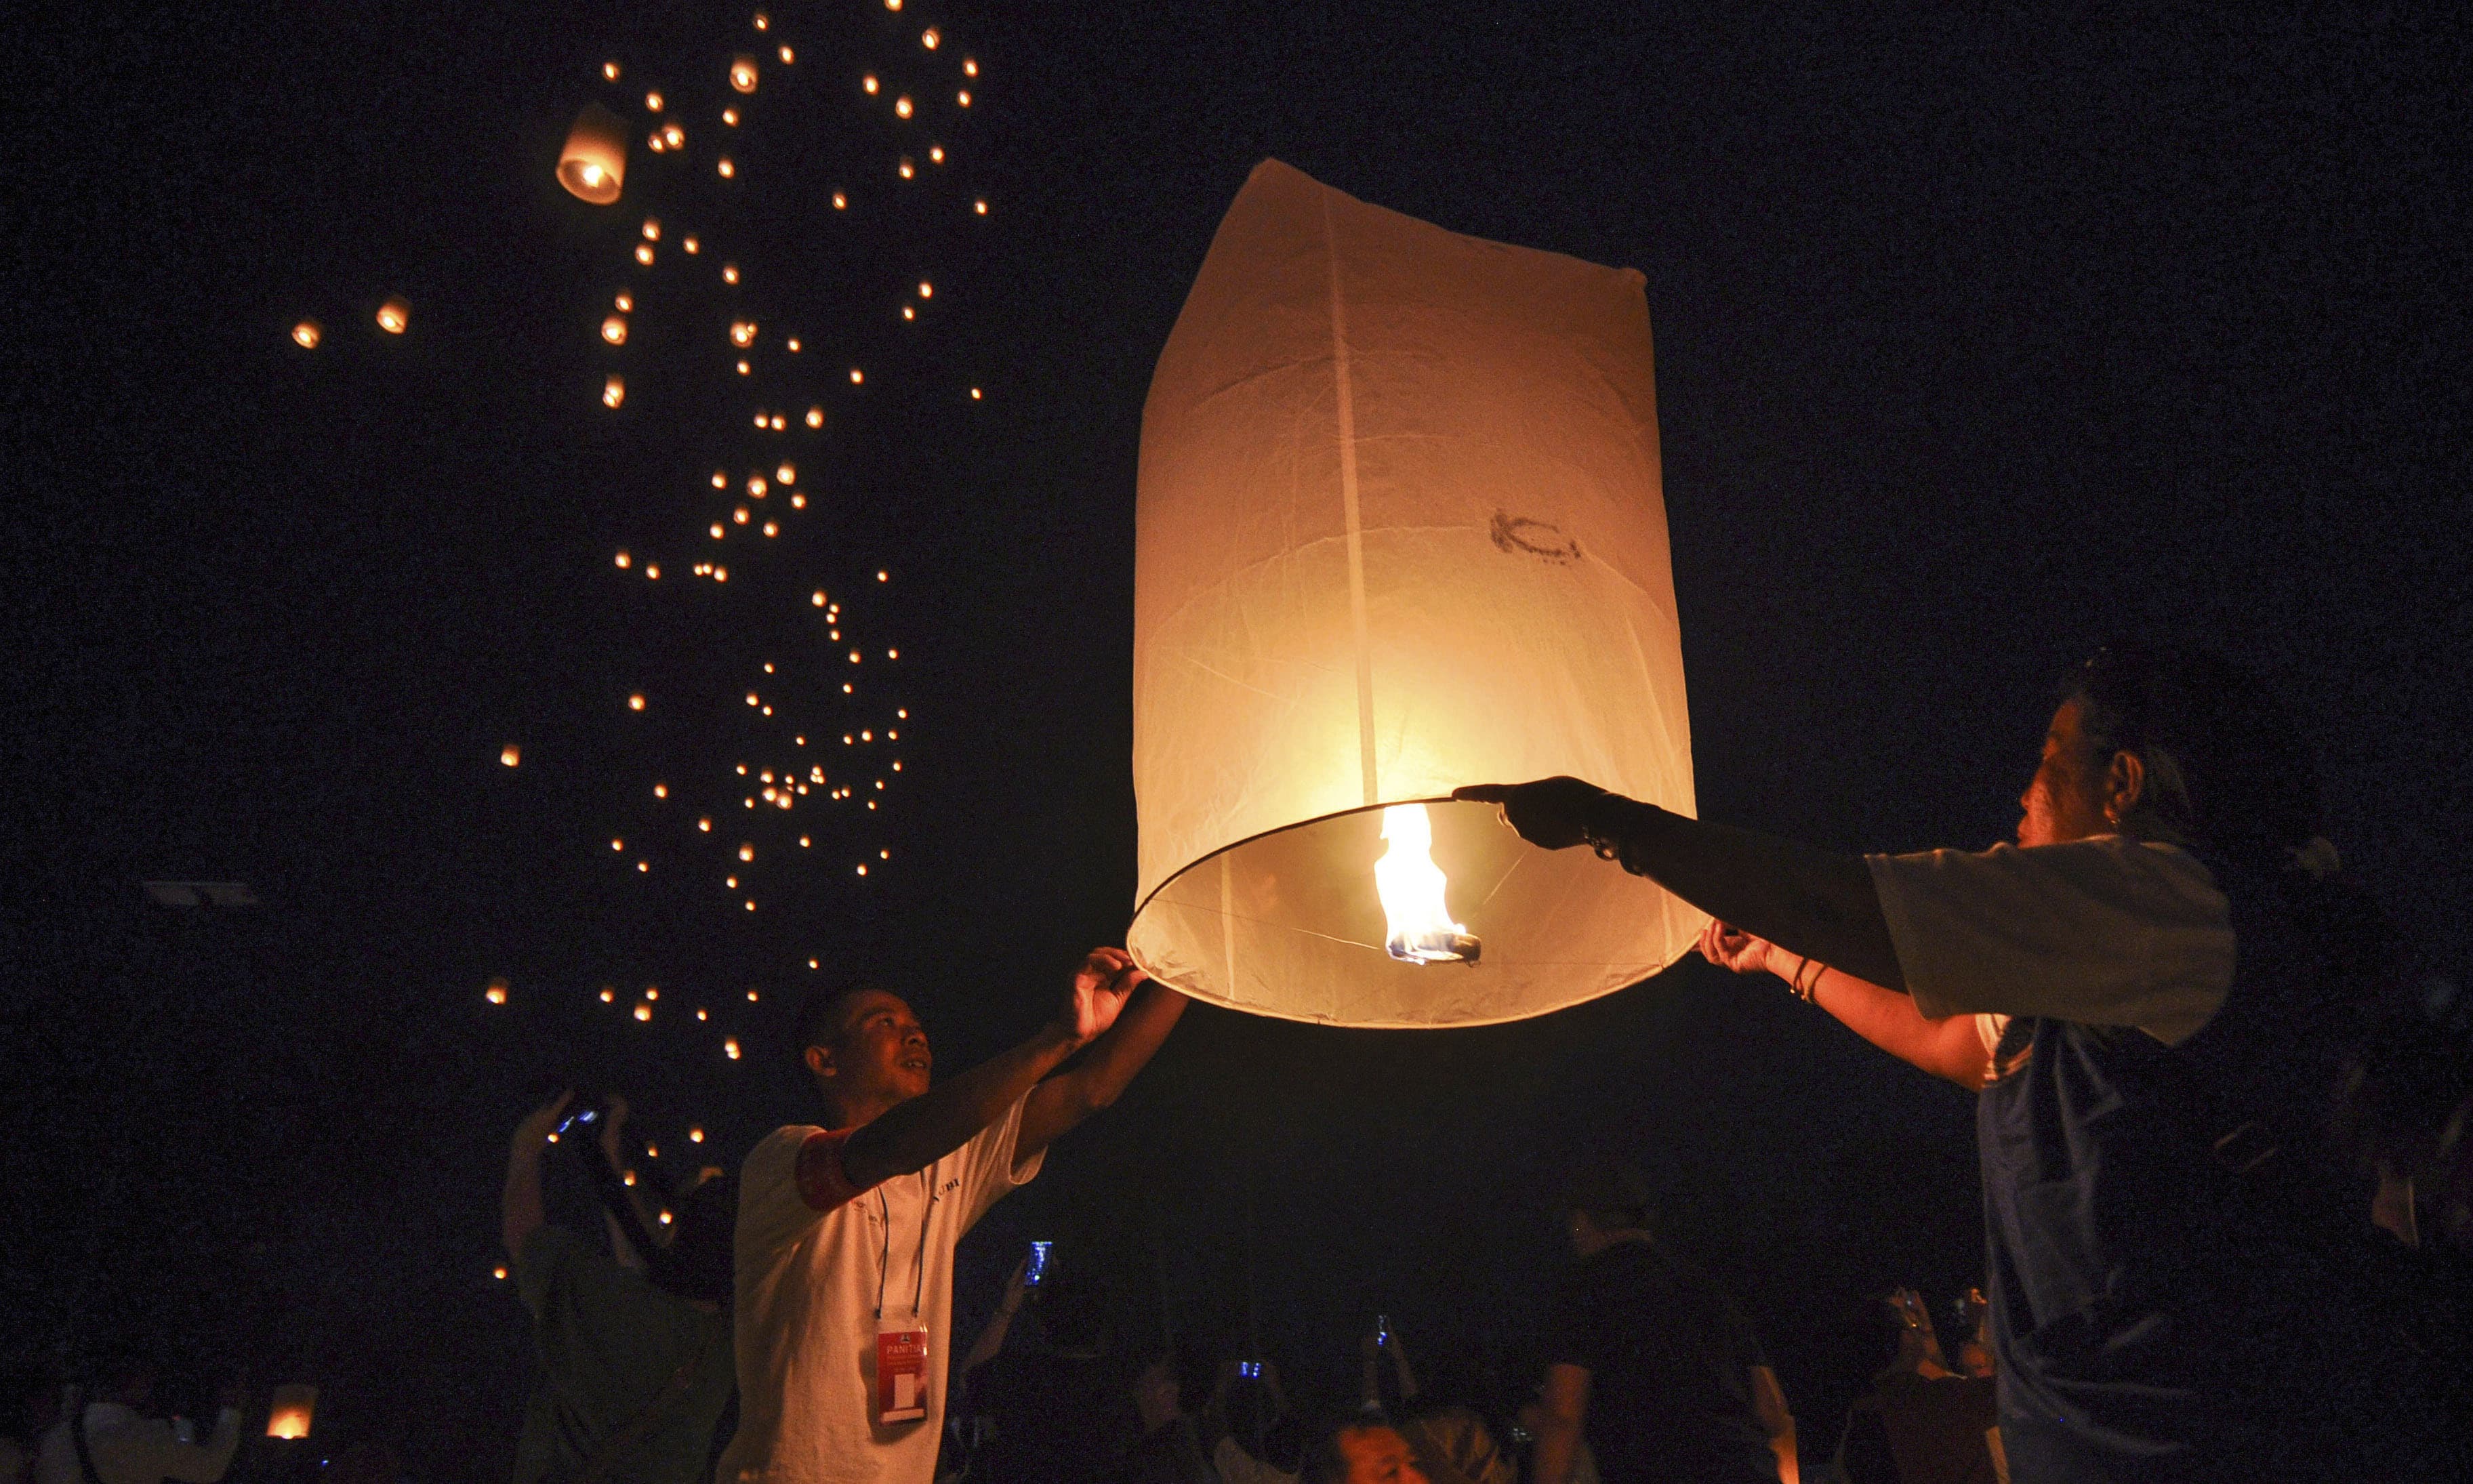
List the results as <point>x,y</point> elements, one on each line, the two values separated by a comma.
<point>1100,988</point>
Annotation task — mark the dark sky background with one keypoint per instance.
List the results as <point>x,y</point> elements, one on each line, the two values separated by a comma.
<point>1979,338</point>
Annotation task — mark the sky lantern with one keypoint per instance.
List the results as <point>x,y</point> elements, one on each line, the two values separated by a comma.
<point>395,315</point>
<point>288,1414</point>
<point>306,334</point>
<point>1399,527</point>
<point>742,73</point>
<point>593,165</point>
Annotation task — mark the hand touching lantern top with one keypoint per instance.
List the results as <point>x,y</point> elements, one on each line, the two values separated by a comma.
<point>1813,902</point>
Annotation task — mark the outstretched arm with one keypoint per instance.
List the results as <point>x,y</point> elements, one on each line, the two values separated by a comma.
<point>916,1133</point>
<point>1948,1047</point>
<point>1070,1096</point>
<point>521,1209</point>
<point>1812,902</point>
<point>1768,1400</point>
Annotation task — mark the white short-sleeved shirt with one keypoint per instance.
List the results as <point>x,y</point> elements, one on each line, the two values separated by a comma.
<point>809,1278</point>
<point>2102,932</point>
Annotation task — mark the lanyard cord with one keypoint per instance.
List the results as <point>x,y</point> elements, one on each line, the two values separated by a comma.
<point>884,1251</point>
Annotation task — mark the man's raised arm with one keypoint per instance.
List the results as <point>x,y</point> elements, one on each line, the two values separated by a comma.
<point>1066,1099</point>
<point>917,1132</point>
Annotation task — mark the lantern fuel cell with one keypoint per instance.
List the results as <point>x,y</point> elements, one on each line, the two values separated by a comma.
<point>1399,527</point>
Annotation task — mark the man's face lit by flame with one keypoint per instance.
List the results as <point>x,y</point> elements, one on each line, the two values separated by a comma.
<point>878,1058</point>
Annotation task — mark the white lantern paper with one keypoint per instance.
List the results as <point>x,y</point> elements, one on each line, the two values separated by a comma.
<point>1399,529</point>
<point>593,165</point>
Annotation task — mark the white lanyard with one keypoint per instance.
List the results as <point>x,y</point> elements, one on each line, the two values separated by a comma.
<point>884,1255</point>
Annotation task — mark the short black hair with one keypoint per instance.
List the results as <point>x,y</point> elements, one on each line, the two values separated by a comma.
<point>2227,767</point>
<point>818,1022</point>
<point>1612,1192</point>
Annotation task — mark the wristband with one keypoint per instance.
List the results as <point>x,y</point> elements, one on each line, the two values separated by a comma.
<point>1805,988</point>
<point>1605,820</point>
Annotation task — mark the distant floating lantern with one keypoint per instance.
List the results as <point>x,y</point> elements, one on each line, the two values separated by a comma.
<point>726,168</point>
<point>512,754</point>
<point>935,154</point>
<point>625,560</point>
<point>815,416</point>
<point>643,1011</point>
<point>901,106</point>
<point>730,273</point>
<point>787,473</point>
<point>691,246</point>
<point>644,254</point>
<point>613,329</point>
<point>856,378</point>
<point>626,304</point>
<point>868,84</point>
<point>500,1271</point>
<point>613,394</point>
<point>963,97</point>
<point>729,1045</point>
<point>929,38</point>
<point>975,394</point>
<point>742,332</point>
<point>762,21</point>
<point>306,334</point>
<point>695,1136</point>
<point>652,103</point>
<point>1461,526</point>
<point>636,701</point>
<point>610,71</point>
<point>660,790</point>
<point>787,55</point>
<point>394,315</point>
<point>908,170</point>
<point>927,290</point>
<point>496,992</point>
<point>742,73</point>
<point>730,116</point>
<point>674,136</point>
<point>593,165</point>
<point>980,206</point>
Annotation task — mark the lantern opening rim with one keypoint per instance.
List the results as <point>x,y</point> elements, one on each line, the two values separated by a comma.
<point>1182,872</point>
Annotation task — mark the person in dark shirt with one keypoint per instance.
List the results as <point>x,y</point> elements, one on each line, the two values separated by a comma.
<point>1651,1362</point>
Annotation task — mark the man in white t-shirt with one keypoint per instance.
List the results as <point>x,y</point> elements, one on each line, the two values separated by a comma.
<point>846,1232</point>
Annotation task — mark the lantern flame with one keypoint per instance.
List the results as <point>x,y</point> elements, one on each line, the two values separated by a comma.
<point>289,1414</point>
<point>1420,929</point>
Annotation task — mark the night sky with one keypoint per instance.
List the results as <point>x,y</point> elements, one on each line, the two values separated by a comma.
<point>1978,339</point>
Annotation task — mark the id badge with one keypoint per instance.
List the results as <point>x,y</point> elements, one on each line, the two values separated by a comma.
<point>900,1370</point>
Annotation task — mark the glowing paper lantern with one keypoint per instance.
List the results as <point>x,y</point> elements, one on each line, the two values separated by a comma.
<point>742,73</point>
<point>306,334</point>
<point>593,165</point>
<point>1399,528</point>
<point>394,315</point>
<point>288,1415</point>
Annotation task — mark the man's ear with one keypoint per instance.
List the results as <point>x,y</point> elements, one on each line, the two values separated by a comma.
<point>2125,784</point>
<point>820,1061</point>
